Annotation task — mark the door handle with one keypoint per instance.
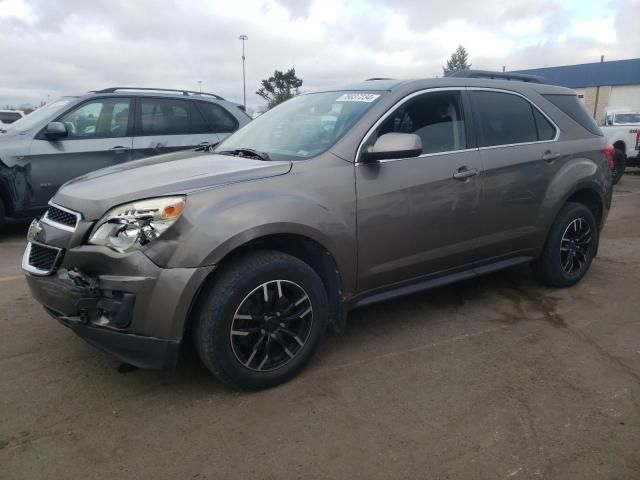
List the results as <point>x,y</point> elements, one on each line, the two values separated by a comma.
<point>464,172</point>
<point>119,149</point>
<point>550,156</point>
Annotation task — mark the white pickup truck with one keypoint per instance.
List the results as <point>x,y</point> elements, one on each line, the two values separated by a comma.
<point>622,130</point>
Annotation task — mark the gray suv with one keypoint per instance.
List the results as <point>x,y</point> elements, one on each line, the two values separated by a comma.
<point>333,200</point>
<point>75,135</point>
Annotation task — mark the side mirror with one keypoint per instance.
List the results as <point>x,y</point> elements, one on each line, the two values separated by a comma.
<point>393,145</point>
<point>55,130</point>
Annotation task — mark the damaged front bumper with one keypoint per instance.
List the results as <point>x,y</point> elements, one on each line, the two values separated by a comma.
<point>123,304</point>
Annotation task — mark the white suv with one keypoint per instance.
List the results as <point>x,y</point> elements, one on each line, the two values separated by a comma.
<point>10,116</point>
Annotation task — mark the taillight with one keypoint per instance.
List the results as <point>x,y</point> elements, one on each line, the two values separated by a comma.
<point>608,153</point>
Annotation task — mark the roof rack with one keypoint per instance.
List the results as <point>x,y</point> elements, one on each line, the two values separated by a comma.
<point>517,77</point>
<point>145,89</point>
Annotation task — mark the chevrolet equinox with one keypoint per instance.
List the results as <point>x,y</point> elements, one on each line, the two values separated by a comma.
<point>333,200</point>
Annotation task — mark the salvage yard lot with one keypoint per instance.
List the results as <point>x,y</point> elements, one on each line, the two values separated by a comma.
<point>493,378</point>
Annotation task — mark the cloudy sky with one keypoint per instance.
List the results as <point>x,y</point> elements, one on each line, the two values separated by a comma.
<point>58,47</point>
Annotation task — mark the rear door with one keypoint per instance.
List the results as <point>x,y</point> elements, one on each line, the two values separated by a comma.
<point>420,215</point>
<point>165,125</point>
<point>520,155</point>
<point>99,135</point>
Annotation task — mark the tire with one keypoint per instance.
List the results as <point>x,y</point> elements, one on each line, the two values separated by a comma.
<point>232,305</point>
<point>619,164</point>
<point>551,267</point>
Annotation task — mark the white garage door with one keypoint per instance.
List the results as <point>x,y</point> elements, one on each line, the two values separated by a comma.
<point>625,97</point>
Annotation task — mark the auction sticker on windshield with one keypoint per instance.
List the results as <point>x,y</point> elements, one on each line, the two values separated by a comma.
<point>357,97</point>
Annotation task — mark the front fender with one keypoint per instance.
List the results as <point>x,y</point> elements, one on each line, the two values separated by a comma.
<point>218,221</point>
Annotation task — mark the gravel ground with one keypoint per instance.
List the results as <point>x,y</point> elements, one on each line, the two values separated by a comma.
<point>492,378</point>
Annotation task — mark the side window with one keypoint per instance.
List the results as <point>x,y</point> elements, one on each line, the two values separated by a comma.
<point>162,116</point>
<point>197,122</point>
<point>546,131</point>
<point>437,118</point>
<point>504,119</point>
<point>101,118</point>
<point>218,119</point>
<point>9,117</point>
<point>574,107</point>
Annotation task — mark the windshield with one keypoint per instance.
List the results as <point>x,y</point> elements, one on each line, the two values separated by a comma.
<point>302,127</point>
<point>627,118</point>
<point>38,116</point>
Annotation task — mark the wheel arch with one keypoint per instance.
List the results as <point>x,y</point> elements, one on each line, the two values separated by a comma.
<point>590,198</point>
<point>620,145</point>
<point>5,192</point>
<point>303,247</point>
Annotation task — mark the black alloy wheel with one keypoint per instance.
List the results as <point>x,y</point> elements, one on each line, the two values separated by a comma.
<point>575,246</point>
<point>271,325</point>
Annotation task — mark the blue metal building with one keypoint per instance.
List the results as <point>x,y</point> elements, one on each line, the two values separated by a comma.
<point>604,86</point>
<point>617,72</point>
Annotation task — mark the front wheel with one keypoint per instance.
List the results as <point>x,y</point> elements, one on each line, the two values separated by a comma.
<point>570,247</point>
<point>260,320</point>
<point>619,164</point>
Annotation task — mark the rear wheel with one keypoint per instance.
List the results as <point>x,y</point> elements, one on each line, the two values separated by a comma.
<point>570,247</point>
<point>619,164</point>
<point>260,321</point>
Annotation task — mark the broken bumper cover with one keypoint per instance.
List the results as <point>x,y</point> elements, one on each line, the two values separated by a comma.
<point>123,304</point>
<point>137,350</point>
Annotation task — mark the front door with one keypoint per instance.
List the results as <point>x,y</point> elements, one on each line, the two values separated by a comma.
<point>98,136</point>
<point>418,216</point>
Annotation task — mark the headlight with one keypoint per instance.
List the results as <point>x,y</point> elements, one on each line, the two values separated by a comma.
<point>131,226</point>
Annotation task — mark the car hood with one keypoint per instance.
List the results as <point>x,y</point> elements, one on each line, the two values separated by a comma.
<point>175,173</point>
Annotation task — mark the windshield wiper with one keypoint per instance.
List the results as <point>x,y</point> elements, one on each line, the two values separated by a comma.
<point>246,152</point>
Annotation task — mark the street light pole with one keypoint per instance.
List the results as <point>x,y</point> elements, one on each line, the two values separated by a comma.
<point>200,85</point>
<point>244,82</point>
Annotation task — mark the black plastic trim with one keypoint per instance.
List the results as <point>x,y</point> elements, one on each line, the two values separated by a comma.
<point>433,280</point>
<point>136,350</point>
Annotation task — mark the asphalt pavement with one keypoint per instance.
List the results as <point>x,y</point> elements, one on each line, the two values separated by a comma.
<point>494,378</point>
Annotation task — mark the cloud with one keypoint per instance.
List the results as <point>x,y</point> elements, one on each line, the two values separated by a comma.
<point>71,46</point>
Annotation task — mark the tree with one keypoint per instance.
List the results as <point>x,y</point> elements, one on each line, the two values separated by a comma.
<point>459,61</point>
<point>280,87</point>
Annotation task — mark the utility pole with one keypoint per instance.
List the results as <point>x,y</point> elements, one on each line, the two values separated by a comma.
<point>244,81</point>
<point>200,85</point>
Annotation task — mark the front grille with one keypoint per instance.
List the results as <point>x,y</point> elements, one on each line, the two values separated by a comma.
<point>60,216</point>
<point>44,258</point>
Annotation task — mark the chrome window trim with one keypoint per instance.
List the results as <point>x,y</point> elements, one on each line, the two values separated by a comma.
<point>27,267</point>
<point>448,152</point>
<point>532,103</point>
<point>61,226</point>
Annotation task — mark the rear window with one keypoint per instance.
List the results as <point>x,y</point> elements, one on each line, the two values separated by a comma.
<point>573,106</point>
